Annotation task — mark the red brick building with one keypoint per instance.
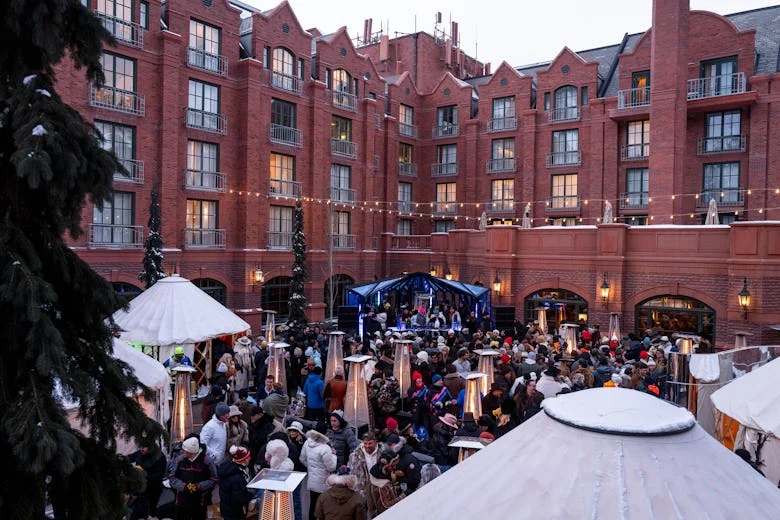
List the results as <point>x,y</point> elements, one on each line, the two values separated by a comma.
<point>398,147</point>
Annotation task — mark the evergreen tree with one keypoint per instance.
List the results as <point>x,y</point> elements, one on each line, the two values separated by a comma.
<point>153,258</point>
<point>297,301</point>
<point>55,337</point>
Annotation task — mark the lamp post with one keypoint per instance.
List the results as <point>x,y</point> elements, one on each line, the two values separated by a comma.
<point>485,366</point>
<point>356,400</point>
<point>181,415</point>
<point>473,400</point>
<point>276,366</point>
<point>402,367</point>
<point>335,354</point>
<point>743,297</point>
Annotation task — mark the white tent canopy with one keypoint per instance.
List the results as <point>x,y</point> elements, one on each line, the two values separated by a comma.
<point>553,470</point>
<point>174,311</point>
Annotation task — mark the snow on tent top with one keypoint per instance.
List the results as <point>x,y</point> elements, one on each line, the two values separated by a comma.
<point>175,311</point>
<point>753,400</point>
<point>607,460</point>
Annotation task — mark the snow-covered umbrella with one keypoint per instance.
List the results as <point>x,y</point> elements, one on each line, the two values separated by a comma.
<point>712,214</point>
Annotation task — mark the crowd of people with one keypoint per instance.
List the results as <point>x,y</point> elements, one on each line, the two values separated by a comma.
<point>251,421</point>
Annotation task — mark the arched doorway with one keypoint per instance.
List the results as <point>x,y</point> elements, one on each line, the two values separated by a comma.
<point>213,288</point>
<point>341,282</point>
<point>127,291</point>
<point>276,296</point>
<point>673,313</point>
<point>561,306</point>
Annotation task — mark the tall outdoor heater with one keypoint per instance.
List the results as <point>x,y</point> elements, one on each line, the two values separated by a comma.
<point>402,367</point>
<point>335,354</point>
<point>473,400</point>
<point>181,415</point>
<point>276,365</point>
<point>614,326</point>
<point>486,367</point>
<point>270,327</point>
<point>542,319</point>
<point>276,488</point>
<point>570,334</point>
<point>356,400</point>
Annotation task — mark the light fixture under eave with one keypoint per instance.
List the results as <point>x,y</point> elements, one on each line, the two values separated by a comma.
<point>605,289</point>
<point>258,276</point>
<point>433,271</point>
<point>497,284</point>
<point>448,275</point>
<point>743,297</point>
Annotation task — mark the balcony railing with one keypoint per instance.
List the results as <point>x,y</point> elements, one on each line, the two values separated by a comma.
<point>344,100</point>
<point>343,148</point>
<point>407,130</point>
<point>116,99</point>
<point>405,206</point>
<point>714,86</point>
<point>125,32</point>
<point>635,152</point>
<point>445,130</point>
<point>280,188</point>
<point>444,169</point>
<point>502,123</point>
<point>342,241</point>
<point>500,206</point>
<point>135,171</point>
<point>202,238</point>
<point>563,114</point>
<point>561,203</point>
<point>634,200</point>
<point>342,195</point>
<point>280,240</point>
<point>634,97</point>
<point>202,60</point>
<point>116,236</point>
<point>728,144</point>
<point>205,181</point>
<point>407,169</point>
<point>724,197</point>
<point>445,208</point>
<point>410,242</point>
<point>286,82</point>
<point>207,121</point>
<point>286,135</point>
<point>563,159</point>
<point>505,164</point>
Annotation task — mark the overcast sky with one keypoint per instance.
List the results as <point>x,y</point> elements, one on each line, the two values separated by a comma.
<point>518,31</point>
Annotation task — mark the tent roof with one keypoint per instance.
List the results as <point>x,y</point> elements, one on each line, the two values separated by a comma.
<point>562,471</point>
<point>753,399</point>
<point>175,311</point>
<point>366,290</point>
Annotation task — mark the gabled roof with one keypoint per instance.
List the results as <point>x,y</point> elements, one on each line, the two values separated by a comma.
<point>459,82</point>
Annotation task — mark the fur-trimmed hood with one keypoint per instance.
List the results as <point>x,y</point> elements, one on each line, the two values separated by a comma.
<point>349,481</point>
<point>314,437</point>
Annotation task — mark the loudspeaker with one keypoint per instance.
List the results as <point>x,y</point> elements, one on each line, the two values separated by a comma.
<point>504,318</point>
<point>348,318</point>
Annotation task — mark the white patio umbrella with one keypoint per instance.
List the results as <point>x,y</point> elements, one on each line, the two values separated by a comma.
<point>712,214</point>
<point>527,216</point>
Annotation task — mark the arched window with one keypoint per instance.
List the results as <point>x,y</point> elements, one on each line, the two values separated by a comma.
<point>341,283</point>
<point>126,290</point>
<point>561,306</point>
<point>276,294</point>
<point>284,61</point>
<point>342,81</point>
<point>673,313</point>
<point>566,103</point>
<point>213,288</point>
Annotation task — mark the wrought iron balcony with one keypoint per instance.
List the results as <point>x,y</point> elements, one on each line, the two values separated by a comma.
<point>110,236</point>
<point>505,164</point>
<point>405,206</point>
<point>410,242</point>
<point>286,82</point>
<point>407,130</point>
<point>634,200</point>
<point>286,189</point>
<point>635,152</point>
<point>500,206</point>
<point>343,148</point>
<point>407,169</point>
<point>634,97</point>
<point>727,144</point>
<point>714,86</point>
<point>726,197</point>
<point>116,99</point>
<point>202,60</point>
<point>342,241</point>
<point>563,114</point>
<point>203,238</point>
<point>562,203</point>
<point>444,169</point>
<point>343,195</point>
<point>286,135</point>
<point>445,130</point>
<point>205,181</point>
<point>501,124</point>
<point>206,121</point>
<point>125,32</point>
<point>135,171</point>
<point>563,159</point>
<point>280,240</point>
<point>344,100</point>
<point>446,208</point>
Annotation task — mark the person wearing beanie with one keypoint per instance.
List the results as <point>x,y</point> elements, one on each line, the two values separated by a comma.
<point>341,438</point>
<point>383,492</point>
<point>192,478</point>
<point>214,433</point>
<point>335,391</point>
<point>439,396</point>
<point>417,396</point>
<point>234,475</point>
<point>407,462</point>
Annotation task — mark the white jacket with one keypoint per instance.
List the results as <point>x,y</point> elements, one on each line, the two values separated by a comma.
<point>214,436</point>
<point>549,386</point>
<point>317,456</point>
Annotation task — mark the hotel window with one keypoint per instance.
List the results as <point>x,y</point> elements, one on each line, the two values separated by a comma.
<point>405,197</point>
<point>283,113</point>
<point>203,165</point>
<point>405,153</point>
<point>447,159</point>
<point>284,62</point>
<point>566,103</point>
<point>566,145</point>
<point>203,102</point>
<point>119,139</point>
<point>341,223</point>
<point>443,226</point>
<point>143,20</point>
<point>119,88</point>
<point>201,214</point>
<point>547,101</point>
<point>723,131</point>
<point>721,182</point>
<point>118,19</point>
<point>280,220</point>
<point>503,116</point>
<point>446,192</point>
<point>205,39</point>
<point>637,139</point>
<point>406,115</point>
<point>282,175</point>
<point>341,81</point>
<point>113,220</point>
<point>720,76</point>
<point>447,117</point>
<point>341,128</point>
<point>502,194</point>
<point>340,183</point>
<point>404,226</point>
<point>637,187</point>
<point>564,192</point>
<point>503,148</point>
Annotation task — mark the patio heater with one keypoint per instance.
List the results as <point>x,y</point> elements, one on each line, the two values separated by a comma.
<point>270,326</point>
<point>402,367</point>
<point>276,367</point>
<point>486,367</point>
<point>356,400</point>
<point>542,319</point>
<point>335,354</point>
<point>467,446</point>
<point>276,488</point>
<point>570,334</point>
<point>473,400</point>
<point>614,326</point>
<point>181,415</point>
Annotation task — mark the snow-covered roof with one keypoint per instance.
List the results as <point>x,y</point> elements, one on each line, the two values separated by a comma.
<point>753,399</point>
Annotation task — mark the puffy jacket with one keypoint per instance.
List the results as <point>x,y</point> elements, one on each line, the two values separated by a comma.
<point>214,436</point>
<point>344,442</point>
<point>320,460</point>
<point>340,502</point>
<point>313,390</point>
<point>233,494</point>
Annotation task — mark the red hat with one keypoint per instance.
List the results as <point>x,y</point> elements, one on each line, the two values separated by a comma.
<point>505,358</point>
<point>240,454</point>
<point>508,340</point>
<point>653,390</point>
<point>613,344</point>
<point>584,351</point>
<point>416,375</point>
<point>644,354</point>
<point>391,424</point>
<point>487,435</point>
<point>586,335</point>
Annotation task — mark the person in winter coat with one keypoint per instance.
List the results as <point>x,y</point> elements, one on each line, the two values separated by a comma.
<point>407,462</point>
<point>341,501</point>
<point>363,459</point>
<point>342,439</point>
<point>335,391</point>
<point>237,429</point>
<point>469,427</point>
<point>313,388</point>
<point>277,455</point>
<point>320,459</point>
<point>548,384</point>
<point>443,432</point>
<point>383,493</point>
<point>603,372</point>
<point>152,460</point>
<point>192,478</point>
<point>234,475</point>
<point>528,400</point>
<point>214,433</point>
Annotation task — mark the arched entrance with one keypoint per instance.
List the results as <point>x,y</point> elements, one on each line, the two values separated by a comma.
<point>213,288</point>
<point>127,291</point>
<point>341,282</point>
<point>561,306</point>
<point>673,313</point>
<point>276,296</point>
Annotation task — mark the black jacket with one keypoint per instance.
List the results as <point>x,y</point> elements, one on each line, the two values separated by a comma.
<point>409,464</point>
<point>233,494</point>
